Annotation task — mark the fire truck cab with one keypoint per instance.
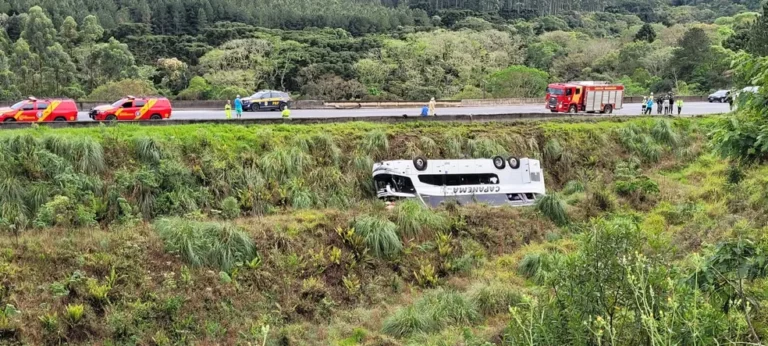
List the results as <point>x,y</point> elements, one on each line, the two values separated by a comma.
<point>584,96</point>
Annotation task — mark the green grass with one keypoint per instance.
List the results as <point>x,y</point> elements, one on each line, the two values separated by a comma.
<point>217,245</point>
<point>553,207</point>
<point>413,218</point>
<point>380,236</point>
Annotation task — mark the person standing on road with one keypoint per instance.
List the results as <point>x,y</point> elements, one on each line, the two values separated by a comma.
<point>432,105</point>
<point>286,112</point>
<point>659,103</point>
<point>238,107</point>
<point>228,109</point>
<point>729,99</point>
<point>666,105</point>
<point>679,106</point>
<point>425,111</point>
<point>645,104</point>
<point>649,106</point>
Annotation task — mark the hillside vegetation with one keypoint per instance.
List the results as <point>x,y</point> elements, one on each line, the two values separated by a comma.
<point>202,49</point>
<point>270,235</point>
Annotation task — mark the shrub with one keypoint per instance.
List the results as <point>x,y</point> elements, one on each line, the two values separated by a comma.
<point>380,236</point>
<point>553,208</point>
<point>213,244</point>
<point>412,218</point>
<point>230,208</point>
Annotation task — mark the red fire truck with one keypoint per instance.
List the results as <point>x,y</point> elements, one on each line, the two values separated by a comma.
<point>584,96</point>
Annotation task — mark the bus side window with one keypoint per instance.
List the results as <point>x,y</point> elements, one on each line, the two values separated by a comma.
<point>578,91</point>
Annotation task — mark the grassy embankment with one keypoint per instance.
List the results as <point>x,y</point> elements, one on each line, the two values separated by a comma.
<point>270,234</point>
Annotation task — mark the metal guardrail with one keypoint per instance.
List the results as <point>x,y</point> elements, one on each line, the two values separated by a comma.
<point>466,118</point>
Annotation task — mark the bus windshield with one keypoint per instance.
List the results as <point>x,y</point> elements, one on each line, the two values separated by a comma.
<point>553,91</point>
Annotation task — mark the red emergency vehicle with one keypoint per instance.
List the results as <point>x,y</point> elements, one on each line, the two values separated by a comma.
<point>41,110</point>
<point>584,96</point>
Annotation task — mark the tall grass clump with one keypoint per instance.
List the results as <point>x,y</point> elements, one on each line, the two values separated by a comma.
<point>529,265</point>
<point>552,207</point>
<point>449,307</point>
<point>428,146</point>
<point>323,146</point>
<point>148,149</point>
<point>375,143</point>
<point>496,298</point>
<point>485,148</point>
<point>432,312</point>
<point>212,244</point>
<point>452,148</point>
<point>413,218</point>
<point>380,236</point>
<point>573,186</point>
<point>409,321</point>
<point>663,133</point>
<point>553,150</point>
<point>282,164</point>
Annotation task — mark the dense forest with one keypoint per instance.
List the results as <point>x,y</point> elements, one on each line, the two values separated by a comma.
<point>355,49</point>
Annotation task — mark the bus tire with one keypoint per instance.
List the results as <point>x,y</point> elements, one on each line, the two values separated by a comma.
<point>573,109</point>
<point>420,163</point>
<point>499,162</point>
<point>609,109</point>
<point>514,162</point>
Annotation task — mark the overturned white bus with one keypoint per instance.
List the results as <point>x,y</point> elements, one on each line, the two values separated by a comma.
<point>495,181</point>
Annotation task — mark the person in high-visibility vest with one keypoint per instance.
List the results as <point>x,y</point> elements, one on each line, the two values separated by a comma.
<point>228,109</point>
<point>679,106</point>
<point>286,112</point>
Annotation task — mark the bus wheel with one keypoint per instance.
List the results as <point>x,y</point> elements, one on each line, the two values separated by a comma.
<point>420,163</point>
<point>514,163</point>
<point>498,162</point>
<point>572,109</point>
<point>609,109</point>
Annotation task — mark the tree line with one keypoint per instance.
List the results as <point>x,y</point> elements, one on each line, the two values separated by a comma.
<point>455,56</point>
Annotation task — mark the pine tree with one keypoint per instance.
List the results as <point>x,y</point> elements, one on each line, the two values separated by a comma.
<point>757,42</point>
<point>68,33</point>
<point>40,34</point>
<point>646,33</point>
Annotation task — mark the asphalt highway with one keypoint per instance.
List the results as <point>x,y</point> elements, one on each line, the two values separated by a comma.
<point>689,108</point>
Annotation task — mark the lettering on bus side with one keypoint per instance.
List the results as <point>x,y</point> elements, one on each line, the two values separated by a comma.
<point>476,189</point>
